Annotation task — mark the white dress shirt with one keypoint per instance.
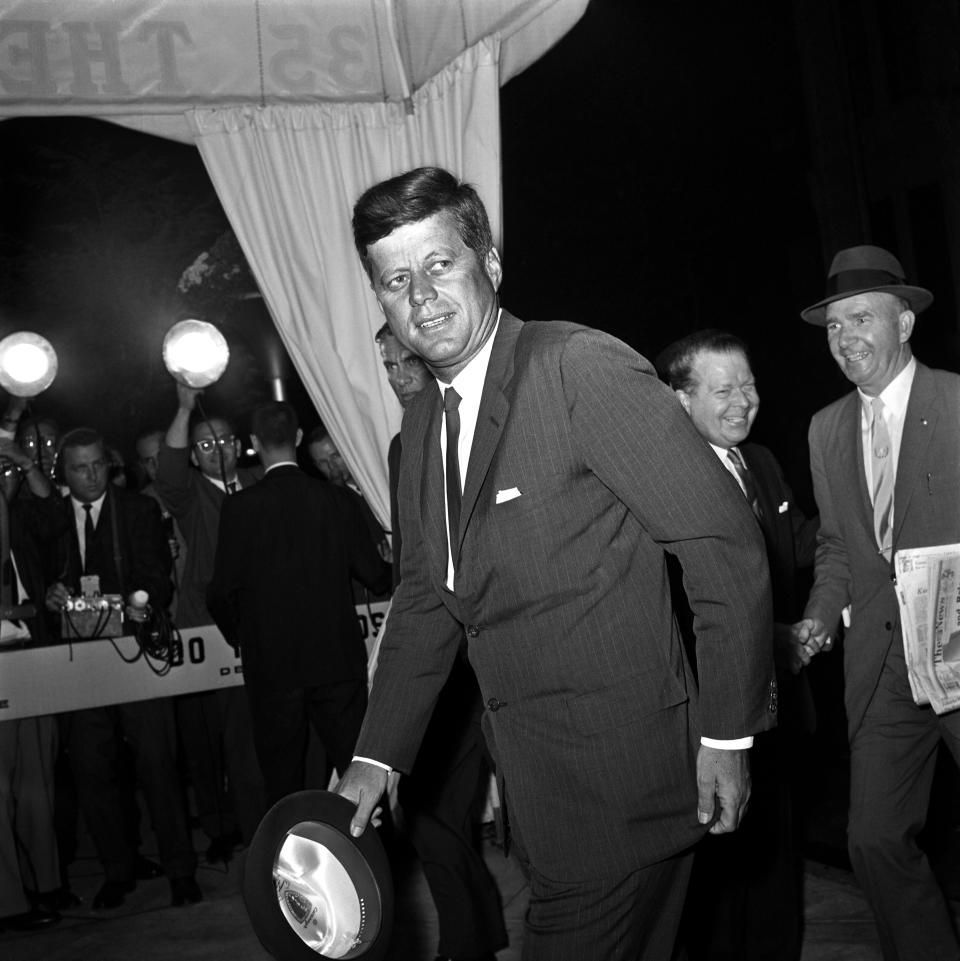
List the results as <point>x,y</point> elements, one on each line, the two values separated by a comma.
<point>895,397</point>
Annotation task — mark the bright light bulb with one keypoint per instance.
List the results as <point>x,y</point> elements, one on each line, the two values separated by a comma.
<point>28,364</point>
<point>195,352</point>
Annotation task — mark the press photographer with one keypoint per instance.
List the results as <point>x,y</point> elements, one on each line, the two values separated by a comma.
<point>117,536</point>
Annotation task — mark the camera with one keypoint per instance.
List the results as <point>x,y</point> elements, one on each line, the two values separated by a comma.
<point>91,614</point>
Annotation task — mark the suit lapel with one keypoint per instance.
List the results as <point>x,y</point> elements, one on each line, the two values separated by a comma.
<point>919,425</point>
<point>491,417</point>
<point>849,456</point>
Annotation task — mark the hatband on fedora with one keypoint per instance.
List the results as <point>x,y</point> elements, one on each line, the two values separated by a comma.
<point>311,889</point>
<point>859,270</point>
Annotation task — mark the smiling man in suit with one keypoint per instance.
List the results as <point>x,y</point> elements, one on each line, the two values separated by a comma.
<point>745,894</point>
<point>540,487</point>
<point>885,461</point>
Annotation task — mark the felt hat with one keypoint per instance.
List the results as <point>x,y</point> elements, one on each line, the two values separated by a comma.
<point>312,890</point>
<point>858,270</point>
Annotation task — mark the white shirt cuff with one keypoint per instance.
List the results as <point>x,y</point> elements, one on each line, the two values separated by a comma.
<point>370,760</point>
<point>738,744</point>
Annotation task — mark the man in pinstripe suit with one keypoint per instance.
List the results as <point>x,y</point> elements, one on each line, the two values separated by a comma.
<point>576,471</point>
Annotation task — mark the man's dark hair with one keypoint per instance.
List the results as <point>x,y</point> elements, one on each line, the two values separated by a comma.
<point>383,333</point>
<point>317,434</point>
<point>676,362</point>
<point>81,437</point>
<point>198,420</point>
<point>414,196</point>
<point>275,424</point>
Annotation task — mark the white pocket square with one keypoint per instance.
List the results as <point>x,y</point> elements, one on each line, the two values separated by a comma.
<point>784,507</point>
<point>507,495</point>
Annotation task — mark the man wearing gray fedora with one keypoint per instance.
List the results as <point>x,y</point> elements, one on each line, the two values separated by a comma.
<point>885,461</point>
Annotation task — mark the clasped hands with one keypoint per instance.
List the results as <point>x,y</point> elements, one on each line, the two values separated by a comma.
<point>796,644</point>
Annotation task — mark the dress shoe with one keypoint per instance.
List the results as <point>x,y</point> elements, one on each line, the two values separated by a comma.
<point>59,899</point>
<point>184,891</point>
<point>112,894</point>
<point>146,870</point>
<point>30,920</point>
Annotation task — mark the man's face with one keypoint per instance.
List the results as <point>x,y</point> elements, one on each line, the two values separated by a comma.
<point>86,471</point>
<point>868,335</point>
<point>724,401</point>
<point>438,295</point>
<point>207,439</point>
<point>326,458</point>
<point>40,442</point>
<point>148,450</point>
<point>406,372</point>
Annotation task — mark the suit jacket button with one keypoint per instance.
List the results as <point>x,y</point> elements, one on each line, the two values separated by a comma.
<point>473,630</point>
<point>888,626</point>
<point>494,705</point>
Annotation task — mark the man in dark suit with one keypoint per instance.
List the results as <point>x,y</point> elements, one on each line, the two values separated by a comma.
<point>118,536</point>
<point>745,901</point>
<point>574,469</point>
<point>197,470</point>
<point>885,461</point>
<point>286,550</point>
<point>439,797</point>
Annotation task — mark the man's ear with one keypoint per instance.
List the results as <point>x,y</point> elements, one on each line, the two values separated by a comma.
<point>255,444</point>
<point>299,438</point>
<point>905,322</point>
<point>493,267</point>
<point>684,398</point>
<point>193,457</point>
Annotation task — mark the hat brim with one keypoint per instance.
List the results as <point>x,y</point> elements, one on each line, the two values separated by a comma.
<point>919,299</point>
<point>323,820</point>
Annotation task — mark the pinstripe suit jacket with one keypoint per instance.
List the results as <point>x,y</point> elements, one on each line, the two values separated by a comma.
<point>592,716</point>
<point>926,507</point>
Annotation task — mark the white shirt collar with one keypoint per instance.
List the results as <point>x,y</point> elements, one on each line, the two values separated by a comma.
<point>281,463</point>
<point>95,505</point>
<point>896,395</point>
<point>469,382</point>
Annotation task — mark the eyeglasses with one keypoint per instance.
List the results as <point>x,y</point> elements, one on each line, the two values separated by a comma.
<point>209,443</point>
<point>8,470</point>
<point>31,442</point>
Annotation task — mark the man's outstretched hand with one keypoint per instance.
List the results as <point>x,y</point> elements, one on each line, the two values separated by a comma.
<point>363,784</point>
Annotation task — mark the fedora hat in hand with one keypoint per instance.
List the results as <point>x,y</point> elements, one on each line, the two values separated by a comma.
<point>858,270</point>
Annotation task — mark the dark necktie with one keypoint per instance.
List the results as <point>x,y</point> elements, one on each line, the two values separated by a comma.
<point>883,479</point>
<point>231,487</point>
<point>88,530</point>
<point>451,403</point>
<point>746,478</point>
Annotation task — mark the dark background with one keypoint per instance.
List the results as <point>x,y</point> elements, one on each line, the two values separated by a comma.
<point>665,167</point>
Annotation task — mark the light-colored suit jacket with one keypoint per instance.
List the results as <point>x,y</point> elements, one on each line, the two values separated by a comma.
<point>926,507</point>
<point>591,713</point>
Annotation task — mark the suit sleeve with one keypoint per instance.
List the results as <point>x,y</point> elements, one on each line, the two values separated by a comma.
<point>225,583</point>
<point>366,564</point>
<point>150,564</point>
<point>173,479</point>
<point>419,645</point>
<point>638,441</point>
<point>831,587</point>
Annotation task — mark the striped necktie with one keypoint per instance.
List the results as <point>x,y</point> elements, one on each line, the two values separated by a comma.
<point>746,478</point>
<point>883,479</point>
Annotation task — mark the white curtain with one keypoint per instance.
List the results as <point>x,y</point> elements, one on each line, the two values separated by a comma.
<point>287,178</point>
